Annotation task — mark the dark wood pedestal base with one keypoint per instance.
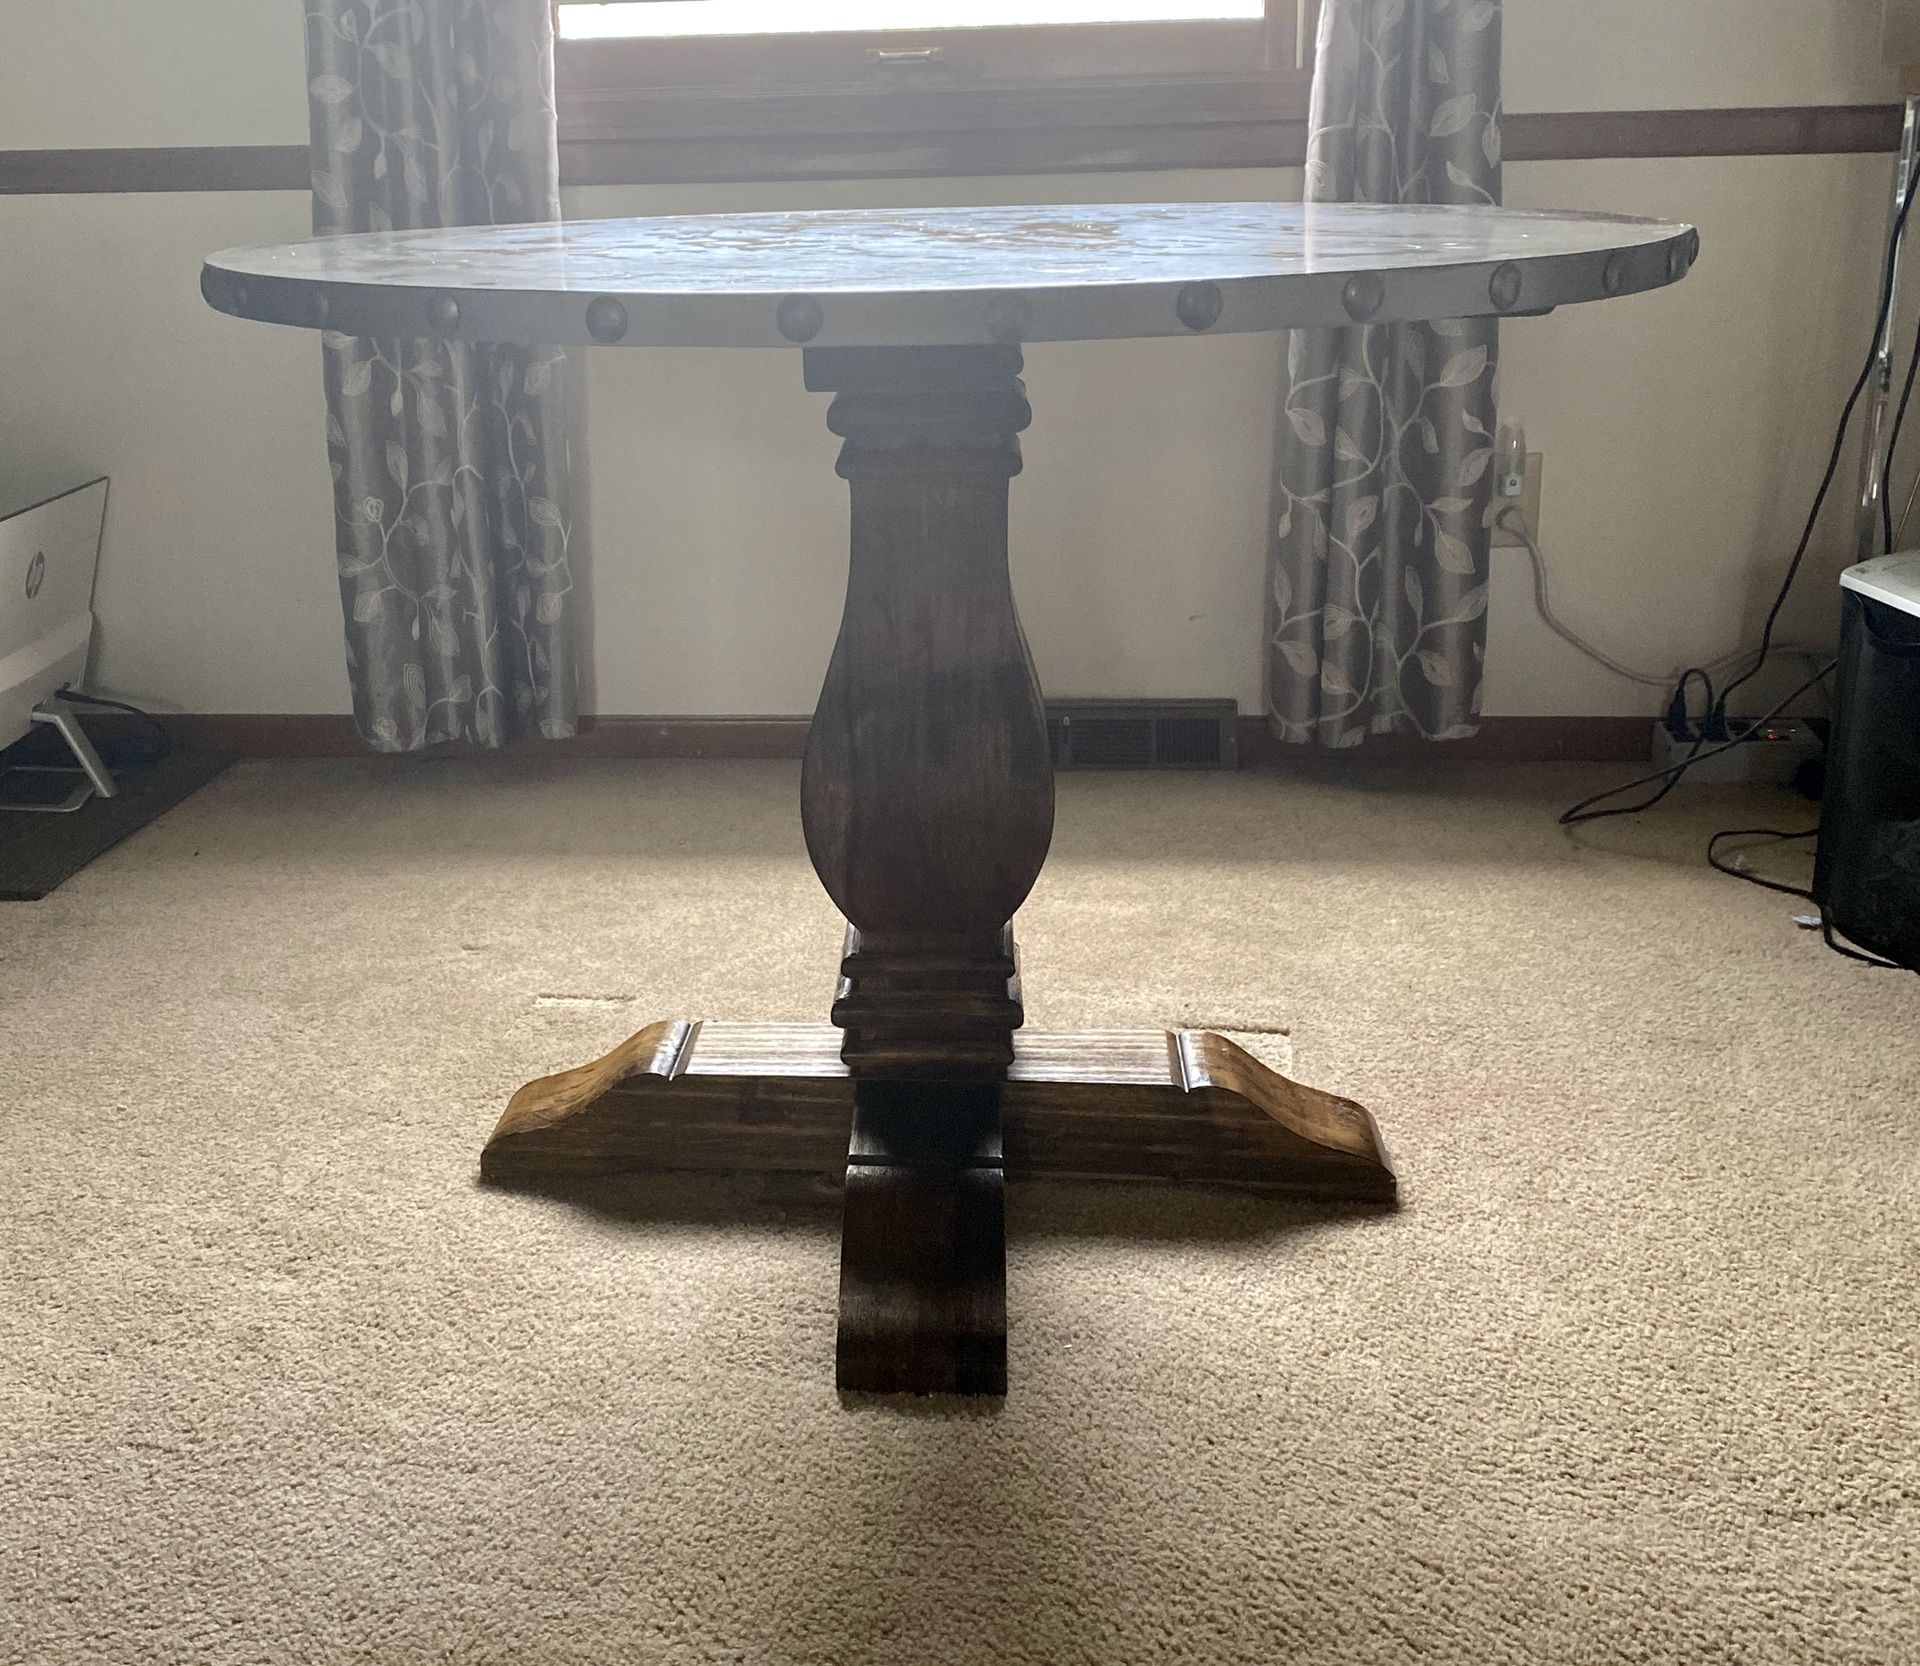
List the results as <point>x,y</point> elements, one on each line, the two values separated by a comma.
<point>1162,1106</point>
<point>923,1293</point>
<point>927,802</point>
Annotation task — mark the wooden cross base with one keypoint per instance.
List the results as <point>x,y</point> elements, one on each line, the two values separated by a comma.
<point>923,1268</point>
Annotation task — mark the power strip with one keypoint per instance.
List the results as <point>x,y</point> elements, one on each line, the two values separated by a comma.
<point>1770,754</point>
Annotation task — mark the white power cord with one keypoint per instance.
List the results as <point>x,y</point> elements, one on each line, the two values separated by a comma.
<point>1514,520</point>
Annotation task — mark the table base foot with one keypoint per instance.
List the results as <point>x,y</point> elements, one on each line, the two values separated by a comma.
<point>923,1242</point>
<point>1181,1106</point>
<point>923,1245</point>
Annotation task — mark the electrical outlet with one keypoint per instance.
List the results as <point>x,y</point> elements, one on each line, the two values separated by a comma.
<point>1528,503</point>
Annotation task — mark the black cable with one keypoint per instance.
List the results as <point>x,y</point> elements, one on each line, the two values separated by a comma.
<point>1677,705</point>
<point>1777,837</point>
<point>1680,695</point>
<point>1826,934</point>
<point>1582,812</point>
<point>1839,439</point>
<point>127,755</point>
<point>1893,447</point>
<point>1893,444</point>
<point>1670,776</point>
<point>1826,919</point>
<point>1706,682</point>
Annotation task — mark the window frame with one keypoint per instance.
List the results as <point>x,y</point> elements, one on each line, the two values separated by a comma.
<point>1025,99</point>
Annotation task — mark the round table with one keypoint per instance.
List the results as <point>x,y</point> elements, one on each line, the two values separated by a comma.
<point>927,791</point>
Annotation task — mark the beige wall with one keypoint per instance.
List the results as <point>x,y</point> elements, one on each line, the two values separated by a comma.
<point>1692,54</point>
<point>1682,430</point>
<point>151,72</point>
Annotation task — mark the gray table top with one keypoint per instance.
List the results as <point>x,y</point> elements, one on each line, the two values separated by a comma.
<point>887,277</point>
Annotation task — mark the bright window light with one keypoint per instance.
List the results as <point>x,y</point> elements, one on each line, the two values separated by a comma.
<point>660,19</point>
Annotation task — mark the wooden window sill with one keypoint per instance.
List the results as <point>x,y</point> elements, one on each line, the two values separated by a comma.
<point>662,136</point>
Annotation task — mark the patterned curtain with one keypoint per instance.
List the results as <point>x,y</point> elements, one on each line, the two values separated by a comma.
<point>452,493</point>
<point>1377,589</point>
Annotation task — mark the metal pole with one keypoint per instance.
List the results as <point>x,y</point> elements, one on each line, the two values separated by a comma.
<point>1867,533</point>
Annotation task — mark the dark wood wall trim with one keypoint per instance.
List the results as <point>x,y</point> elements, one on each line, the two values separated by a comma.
<point>52,173</point>
<point>1501,740</point>
<point>300,735</point>
<point>1789,130</point>
<point>1238,140</point>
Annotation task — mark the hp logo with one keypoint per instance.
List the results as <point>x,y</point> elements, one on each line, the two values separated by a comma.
<point>36,573</point>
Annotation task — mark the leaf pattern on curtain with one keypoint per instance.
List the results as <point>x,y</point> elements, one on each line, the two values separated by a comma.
<point>453,497</point>
<point>1377,580</point>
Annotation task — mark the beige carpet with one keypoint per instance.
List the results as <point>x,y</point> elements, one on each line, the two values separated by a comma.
<point>1634,1375</point>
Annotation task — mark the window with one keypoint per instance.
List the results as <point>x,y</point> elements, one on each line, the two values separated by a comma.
<point>667,19</point>
<point>767,89</point>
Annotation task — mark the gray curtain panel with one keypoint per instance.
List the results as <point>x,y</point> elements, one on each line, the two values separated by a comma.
<point>452,490</point>
<point>1377,582</point>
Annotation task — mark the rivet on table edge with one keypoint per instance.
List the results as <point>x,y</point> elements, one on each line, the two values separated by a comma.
<point>1613,278</point>
<point>319,308</point>
<point>606,319</point>
<point>1198,305</point>
<point>1364,296</point>
<point>1504,287</point>
<point>443,313</point>
<point>240,297</point>
<point>1009,317</point>
<point>799,318</point>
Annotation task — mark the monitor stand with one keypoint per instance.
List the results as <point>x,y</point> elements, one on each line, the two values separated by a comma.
<point>94,778</point>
